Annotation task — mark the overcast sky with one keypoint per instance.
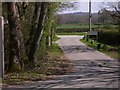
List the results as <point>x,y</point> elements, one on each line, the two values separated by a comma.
<point>83,6</point>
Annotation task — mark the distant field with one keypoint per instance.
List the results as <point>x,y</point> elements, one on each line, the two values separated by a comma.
<point>78,28</point>
<point>85,26</point>
<point>64,26</point>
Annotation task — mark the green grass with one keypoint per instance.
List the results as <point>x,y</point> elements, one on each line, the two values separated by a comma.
<point>55,38</point>
<point>74,33</point>
<point>75,26</point>
<point>55,50</point>
<point>112,53</point>
<point>88,43</point>
<point>84,26</point>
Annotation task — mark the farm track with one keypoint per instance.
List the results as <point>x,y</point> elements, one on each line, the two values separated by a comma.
<point>92,69</point>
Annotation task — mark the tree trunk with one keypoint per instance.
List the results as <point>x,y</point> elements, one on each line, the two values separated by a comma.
<point>38,33</point>
<point>34,24</point>
<point>51,35</point>
<point>16,45</point>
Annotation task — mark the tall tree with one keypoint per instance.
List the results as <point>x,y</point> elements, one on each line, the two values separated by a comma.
<point>39,32</point>
<point>27,34</point>
<point>51,14</point>
<point>34,24</point>
<point>16,44</point>
<point>115,13</point>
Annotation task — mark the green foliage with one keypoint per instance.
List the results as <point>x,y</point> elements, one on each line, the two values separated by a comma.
<point>55,49</point>
<point>49,25</point>
<point>112,51</point>
<point>55,38</point>
<point>98,46</point>
<point>26,21</point>
<point>104,47</point>
<point>68,26</point>
<point>71,30</point>
<point>42,50</point>
<point>109,37</point>
<point>107,27</point>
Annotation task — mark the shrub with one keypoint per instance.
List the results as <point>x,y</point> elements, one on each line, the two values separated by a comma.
<point>98,46</point>
<point>104,47</point>
<point>107,26</point>
<point>109,37</point>
<point>69,30</point>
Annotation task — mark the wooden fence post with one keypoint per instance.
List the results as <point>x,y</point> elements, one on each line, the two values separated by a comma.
<point>1,47</point>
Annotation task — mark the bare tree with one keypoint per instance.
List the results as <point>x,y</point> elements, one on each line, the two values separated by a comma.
<point>115,13</point>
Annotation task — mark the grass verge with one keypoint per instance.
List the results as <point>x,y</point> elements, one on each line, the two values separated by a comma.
<point>55,38</point>
<point>107,49</point>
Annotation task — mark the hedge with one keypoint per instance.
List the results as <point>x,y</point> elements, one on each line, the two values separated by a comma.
<point>69,30</point>
<point>109,37</point>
